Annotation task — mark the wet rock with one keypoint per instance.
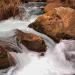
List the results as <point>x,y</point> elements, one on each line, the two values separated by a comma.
<point>31,41</point>
<point>68,17</point>
<point>58,24</point>
<point>6,60</point>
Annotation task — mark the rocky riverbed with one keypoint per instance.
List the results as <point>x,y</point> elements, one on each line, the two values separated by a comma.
<point>39,40</point>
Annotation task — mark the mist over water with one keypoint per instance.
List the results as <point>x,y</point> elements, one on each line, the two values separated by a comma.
<point>30,63</point>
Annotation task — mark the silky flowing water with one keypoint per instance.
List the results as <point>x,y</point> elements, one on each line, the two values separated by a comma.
<point>30,63</point>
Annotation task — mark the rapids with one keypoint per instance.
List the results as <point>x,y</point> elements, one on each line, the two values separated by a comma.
<point>30,63</point>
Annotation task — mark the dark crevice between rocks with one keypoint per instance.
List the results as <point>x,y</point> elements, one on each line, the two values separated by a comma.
<point>65,36</point>
<point>36,27</point>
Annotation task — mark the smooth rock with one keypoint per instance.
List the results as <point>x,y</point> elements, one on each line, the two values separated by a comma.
<point>31,41</point>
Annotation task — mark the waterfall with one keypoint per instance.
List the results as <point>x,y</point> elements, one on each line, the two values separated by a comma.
<point>30,63</point>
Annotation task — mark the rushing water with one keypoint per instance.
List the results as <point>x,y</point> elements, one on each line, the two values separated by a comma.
<point>30,63</point>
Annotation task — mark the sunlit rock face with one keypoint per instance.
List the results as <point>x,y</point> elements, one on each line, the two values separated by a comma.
<point>6,60</point>
<point>58,23</point>
<point>31,41</point>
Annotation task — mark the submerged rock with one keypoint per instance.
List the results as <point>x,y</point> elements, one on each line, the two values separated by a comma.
<point>58,24</point>
<point>6,60</point>
<point>31,41</point>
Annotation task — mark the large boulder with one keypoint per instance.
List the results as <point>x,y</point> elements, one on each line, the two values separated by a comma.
<point>31,41</point>
<point>58,24</point>
<point>6,60</point>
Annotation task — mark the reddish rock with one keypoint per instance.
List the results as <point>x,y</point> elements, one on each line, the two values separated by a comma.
<point>57,3</point>
<point>58,24</point>
<point>71,3</point>
<point>68,17</point>
<point>6,60</point>
<point>53,5</point>
<point>31,41</point>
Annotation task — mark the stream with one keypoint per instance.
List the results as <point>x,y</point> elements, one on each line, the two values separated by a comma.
<point>30,63</point>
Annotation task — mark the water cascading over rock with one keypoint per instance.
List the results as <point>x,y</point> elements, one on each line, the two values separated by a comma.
<point>31,41</point>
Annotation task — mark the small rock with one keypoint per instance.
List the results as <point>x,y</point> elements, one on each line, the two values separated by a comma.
<point>31,41</point>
